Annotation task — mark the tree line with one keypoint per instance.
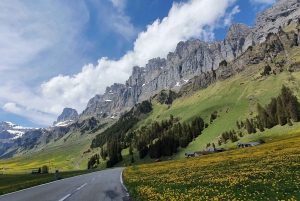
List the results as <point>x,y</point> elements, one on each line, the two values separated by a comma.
<point>165,137</point>
<point>115,138</point>
<point>279,111</point>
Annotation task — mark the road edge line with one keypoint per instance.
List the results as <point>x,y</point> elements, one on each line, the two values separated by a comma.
<point>121,180</point>
<point>44,184</point>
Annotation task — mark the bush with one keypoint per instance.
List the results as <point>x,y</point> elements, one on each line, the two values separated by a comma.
<point>45,169</point>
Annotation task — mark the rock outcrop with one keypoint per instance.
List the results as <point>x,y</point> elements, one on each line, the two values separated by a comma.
<point>68,114</point>
<point>195,62</point>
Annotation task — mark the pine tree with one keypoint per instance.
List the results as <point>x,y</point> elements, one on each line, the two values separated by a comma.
<point>280,112</point>
<point>271,109</point>
<point>293,108</point>
<point>130,150</point>
<point>249,126</point>
<point>242,124</point>
<point>238,125</point>
<point>132,159</point>
<point>102,152</point>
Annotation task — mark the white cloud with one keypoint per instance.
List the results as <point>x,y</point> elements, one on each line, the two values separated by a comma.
<point>185,21</point>
<point>113,19</point>
<point>194,19</point>
<point>30,113</point>
<point>269,2</point>
<point>119,4</point>
<point>12,108</point>
<point>229,17</point>
<point>38,39</point>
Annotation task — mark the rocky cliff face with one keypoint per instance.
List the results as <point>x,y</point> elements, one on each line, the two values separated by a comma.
<point>192,59</point>
<point>68,114</point>
<point>279,16</point>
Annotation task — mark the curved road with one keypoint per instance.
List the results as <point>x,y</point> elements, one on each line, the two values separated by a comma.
<point>103,186</point>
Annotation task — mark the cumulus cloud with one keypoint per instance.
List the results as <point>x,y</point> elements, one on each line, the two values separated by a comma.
<point>12,108</point>
<point>30,113</point>
<point>194,19</point>
<point>42,39</point>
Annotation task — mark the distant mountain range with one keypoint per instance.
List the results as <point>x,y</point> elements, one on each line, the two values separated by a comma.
<point>194,63</point>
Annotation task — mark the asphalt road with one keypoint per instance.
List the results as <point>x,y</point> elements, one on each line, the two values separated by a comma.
<point>103,186</point>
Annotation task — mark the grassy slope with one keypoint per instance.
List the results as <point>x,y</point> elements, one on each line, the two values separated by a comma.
<point>64,154</point>
<point>232,93</point>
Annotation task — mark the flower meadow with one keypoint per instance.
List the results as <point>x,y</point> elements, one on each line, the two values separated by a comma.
<point>266,172</point>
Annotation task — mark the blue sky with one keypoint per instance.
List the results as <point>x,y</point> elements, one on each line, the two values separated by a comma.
<point>56,54</point>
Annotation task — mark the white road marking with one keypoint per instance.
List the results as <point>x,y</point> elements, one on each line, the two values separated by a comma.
<point>81,187</point>
<point>93,179</point>
<point>64,197</point>
<point>44,184</point>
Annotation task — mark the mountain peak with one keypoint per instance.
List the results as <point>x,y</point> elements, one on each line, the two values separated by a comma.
<point>237,30</point>
<point>67,114</point>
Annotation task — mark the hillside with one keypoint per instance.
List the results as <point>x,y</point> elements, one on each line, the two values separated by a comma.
<point>233,97</point>
<point>198,80</point>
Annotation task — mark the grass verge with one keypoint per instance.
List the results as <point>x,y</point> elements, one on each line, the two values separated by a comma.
<point>15,182</point>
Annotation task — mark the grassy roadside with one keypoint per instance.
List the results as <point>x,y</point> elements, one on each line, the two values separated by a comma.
<point>15,182</point>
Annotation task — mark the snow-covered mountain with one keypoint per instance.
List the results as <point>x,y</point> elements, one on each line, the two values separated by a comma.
<point>14,130</point>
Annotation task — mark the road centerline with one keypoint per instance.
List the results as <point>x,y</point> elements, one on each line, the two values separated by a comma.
<point>81,187</point>
<point>65,197</point>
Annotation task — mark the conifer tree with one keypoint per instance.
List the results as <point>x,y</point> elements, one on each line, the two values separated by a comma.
<point>293,108</point>
<point>249,126</point>
<point>238,125</point>
<point>280,112</point>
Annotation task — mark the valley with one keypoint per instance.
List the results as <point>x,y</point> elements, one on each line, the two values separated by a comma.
<point>186,103</point>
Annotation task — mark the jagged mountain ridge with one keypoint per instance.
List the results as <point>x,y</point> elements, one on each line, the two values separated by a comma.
<point>68,116</point>
<point>193,58</point>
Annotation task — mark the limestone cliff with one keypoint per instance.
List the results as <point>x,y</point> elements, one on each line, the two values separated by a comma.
<point>195,62</point>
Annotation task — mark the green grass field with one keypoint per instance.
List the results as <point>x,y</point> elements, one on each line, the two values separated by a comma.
<point>266,172</point>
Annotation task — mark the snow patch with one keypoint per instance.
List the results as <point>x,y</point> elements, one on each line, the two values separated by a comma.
<point>177,84</point>
<point>9,123</point>
<point>14,126</point>
<point>63,123</point>
<point>108,100</point>
<point>17,133</point>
